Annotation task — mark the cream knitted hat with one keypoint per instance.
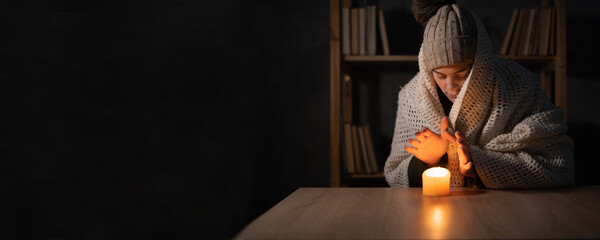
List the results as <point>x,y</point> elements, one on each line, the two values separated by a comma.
<point>450,35</point>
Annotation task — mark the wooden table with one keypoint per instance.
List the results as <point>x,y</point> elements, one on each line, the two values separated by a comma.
<point>388,213</point>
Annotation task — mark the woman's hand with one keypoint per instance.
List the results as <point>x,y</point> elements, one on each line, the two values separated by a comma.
<point>464,153</point>
<point>429,146</point>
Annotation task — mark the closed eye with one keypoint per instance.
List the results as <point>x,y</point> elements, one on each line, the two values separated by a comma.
<point>439,75</point>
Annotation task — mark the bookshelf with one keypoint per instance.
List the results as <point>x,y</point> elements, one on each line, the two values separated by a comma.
<point>550,67</point>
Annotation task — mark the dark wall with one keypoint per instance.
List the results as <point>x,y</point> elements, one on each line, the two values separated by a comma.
<point>158,119</point>
<point>583,85</point>
<point>182,119</point>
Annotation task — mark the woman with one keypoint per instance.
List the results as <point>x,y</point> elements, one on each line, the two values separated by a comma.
<point>484,118</point>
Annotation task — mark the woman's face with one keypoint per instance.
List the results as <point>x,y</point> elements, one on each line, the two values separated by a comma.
<point>451,78</point>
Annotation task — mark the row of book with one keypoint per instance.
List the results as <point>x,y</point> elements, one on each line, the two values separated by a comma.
<point>359,154</point>
<point>360,24</point>
<point>530,32</point>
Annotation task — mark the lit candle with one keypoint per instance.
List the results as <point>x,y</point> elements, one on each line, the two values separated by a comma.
<point>436,182</point>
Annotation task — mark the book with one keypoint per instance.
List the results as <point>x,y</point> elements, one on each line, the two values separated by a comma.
<point>348,149</point>
<point>509,32</point>
<point>552,40</point>
<point>527,44</point>
<point>356,150</point>
<point>346,4</point>
<point>514,41</point>
<point>531,34</point>
<point>371,26</point>
<point>362,30</point>
<point>522,41</point>
<point>354,31</point>
<point>363,150</point>
<point>383,33</point>
<point>370,149</point>
<point>535,40</point>
<point>360,24</point>
<point>545,18</point>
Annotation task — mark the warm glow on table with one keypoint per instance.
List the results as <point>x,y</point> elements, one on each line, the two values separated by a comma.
<point>436,182</point>
<point>404,213</point>
<point>436,218</point>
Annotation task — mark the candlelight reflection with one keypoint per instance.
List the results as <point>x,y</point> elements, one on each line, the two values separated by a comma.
<point>436,218</point>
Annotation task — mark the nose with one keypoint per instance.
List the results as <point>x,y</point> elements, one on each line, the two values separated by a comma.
<point>451,84</point>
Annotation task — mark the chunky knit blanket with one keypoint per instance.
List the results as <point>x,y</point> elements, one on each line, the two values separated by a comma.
<point>517,136</point>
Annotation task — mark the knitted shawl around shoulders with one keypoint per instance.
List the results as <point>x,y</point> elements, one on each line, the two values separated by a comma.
<point>517,136</point>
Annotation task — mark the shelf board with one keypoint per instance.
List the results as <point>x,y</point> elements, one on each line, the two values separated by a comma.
<point>415,58</point>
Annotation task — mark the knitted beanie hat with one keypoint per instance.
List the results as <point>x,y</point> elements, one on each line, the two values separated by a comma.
<point>450,35</point>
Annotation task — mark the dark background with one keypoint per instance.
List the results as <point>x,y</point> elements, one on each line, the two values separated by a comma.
<point>182,119</point>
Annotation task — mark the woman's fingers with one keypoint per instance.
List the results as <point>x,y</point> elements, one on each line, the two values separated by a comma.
<point>410,149</point>
<point>448,136</point>
<point>464,158</point>
<point>444,124</point>
<point>424,133</point>
<point>462,143</point>
<point>466,169</point>
<point>414,142</point>
<point>462,155</point>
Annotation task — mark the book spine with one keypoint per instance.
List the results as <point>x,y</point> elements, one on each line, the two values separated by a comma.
<point>348,149</point>
<point>346,30</point>
<point>362,31</point>
<point>383,34</point>
<point>371,29</point>
<point>354,31</point>
<point>363,150</point>
<point>514,42</point>
<point>509,32</point>
<point>356,149</point>
<point>371,149</point>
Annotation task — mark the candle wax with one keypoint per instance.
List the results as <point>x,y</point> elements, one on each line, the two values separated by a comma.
<point>436,182</point>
